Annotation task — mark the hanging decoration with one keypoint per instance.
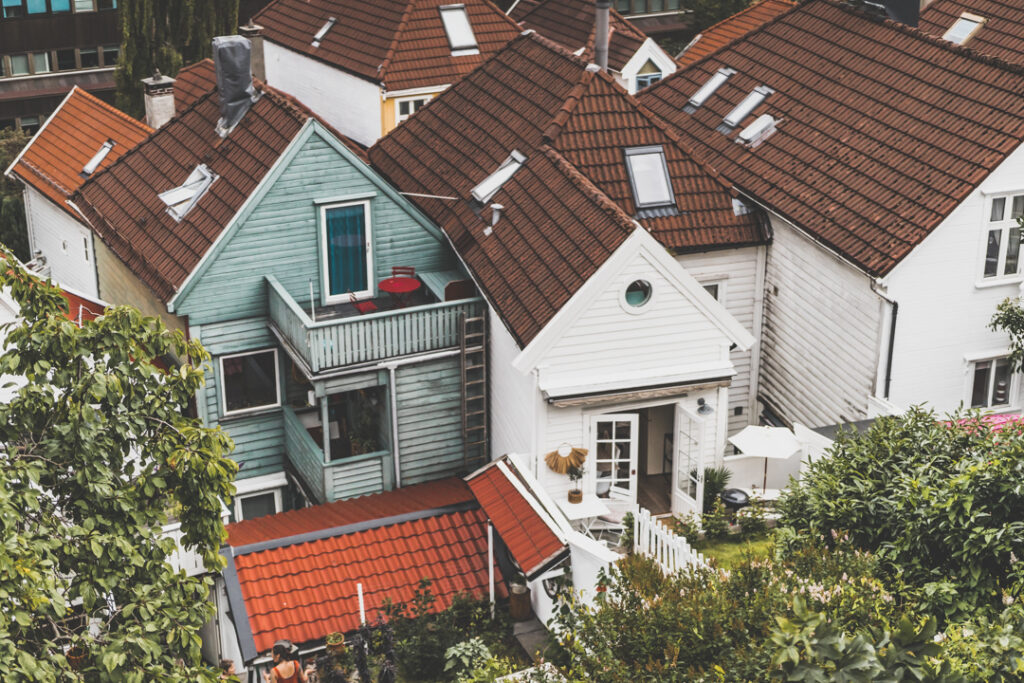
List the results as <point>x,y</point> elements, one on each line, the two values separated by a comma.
<point>564,457</point>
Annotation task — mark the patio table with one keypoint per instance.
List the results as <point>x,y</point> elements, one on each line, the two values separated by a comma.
<point>399,287</point>
<point>583,514</point>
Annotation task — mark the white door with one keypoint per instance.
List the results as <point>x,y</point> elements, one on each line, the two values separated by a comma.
<point>688,463</point>
<point>614,442</point>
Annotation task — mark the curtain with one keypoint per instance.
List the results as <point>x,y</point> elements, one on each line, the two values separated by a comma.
<point>346,249</point>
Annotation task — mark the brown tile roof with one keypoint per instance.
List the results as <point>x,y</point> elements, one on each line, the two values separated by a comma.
<point>53,161</point>
<point>731,28</point>
<point>398,43</point>
<point>570,23</point>
<point>192,82</point>
<point>569,206</point>
<point>883,130</point>
<point>1002,34</point>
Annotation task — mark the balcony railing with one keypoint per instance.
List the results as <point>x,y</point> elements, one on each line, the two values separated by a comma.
<point>366,338</point>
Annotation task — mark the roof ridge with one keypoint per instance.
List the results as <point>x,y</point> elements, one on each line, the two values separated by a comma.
<point>745,10</point>
<point>572,100</point>
<point>512,22</point>
<point>548,43</point>
<point>587,186</point>
<point>113,110</point>
<point>392,46</point>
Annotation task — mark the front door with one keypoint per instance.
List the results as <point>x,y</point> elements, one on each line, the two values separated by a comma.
<point>614,445</point>
<point>688,463</point>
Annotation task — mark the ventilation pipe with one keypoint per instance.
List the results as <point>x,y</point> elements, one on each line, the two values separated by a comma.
<point>232,58</point>
<point>601,33</point>
<point>904,11</point>
<point>254,32</point>
<point>158,98</point>
<point>496,210</point>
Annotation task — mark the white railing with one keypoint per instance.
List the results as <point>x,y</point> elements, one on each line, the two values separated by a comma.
<point>670,550</point>
<point>186,558</point>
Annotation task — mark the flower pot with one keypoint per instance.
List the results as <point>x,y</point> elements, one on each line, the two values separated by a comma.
<point>519,607</point>
<point>76,658</point>
<point>576,496</point>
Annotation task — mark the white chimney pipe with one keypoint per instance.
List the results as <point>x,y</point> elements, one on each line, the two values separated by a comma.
<point>158,98</point>
<point>601,33</point>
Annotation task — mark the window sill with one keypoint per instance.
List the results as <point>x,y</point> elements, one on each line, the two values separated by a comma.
<point>252,412</point>
<point>999,282</point>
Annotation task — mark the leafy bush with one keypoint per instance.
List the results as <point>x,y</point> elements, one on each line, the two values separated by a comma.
<point>716,522</point>
<point>751,520</point>
<point>716,480</point>
<point>465,656</point>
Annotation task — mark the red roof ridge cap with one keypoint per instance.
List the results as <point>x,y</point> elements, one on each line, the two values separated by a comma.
<point>44,176</point>
<point>511,22</point>
<point>588,187</point>
<point>532,34</point>
<point>749,8</point>
<point>572,100</point>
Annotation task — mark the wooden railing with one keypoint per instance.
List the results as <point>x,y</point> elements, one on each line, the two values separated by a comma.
<point>654,539</point>
<point>304,453</point>
<point>366,338</point>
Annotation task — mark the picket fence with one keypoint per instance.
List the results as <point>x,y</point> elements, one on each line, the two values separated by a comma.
<point>653,539</point>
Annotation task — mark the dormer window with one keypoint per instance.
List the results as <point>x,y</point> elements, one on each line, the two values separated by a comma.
<point>746,106</point>
<point>459,31</point>
<point>648,176</point>
<point>490,185</point>
<point>181,199</point>
<point>963,28</point>
<point>97,158</point>
<point>318,38</point>
<point>708,89</point>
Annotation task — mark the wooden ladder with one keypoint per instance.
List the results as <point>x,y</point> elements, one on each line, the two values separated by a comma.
<point>473,357</point>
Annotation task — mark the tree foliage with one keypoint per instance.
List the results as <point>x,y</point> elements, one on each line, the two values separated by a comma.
<point>97,448</point>
<point>706,13</point>
<point>13,231</point>
<point>165,35</point>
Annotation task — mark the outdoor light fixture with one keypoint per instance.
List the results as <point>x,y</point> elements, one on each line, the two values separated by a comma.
<point>703,408</point>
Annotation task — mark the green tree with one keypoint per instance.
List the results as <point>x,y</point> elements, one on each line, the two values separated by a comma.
<point>13,232</point>
<point>706,13</point>
<point>97,448</point>
<point>166,34</point>
<point>1009,318</point>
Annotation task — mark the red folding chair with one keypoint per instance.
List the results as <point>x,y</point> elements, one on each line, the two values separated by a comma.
<point>403,271</point>
<point>363,307</point>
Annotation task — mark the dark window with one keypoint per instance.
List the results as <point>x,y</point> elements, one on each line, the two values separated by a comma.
<point>106,4</point>
<point>36,6</point>
<point>66,59</point>
<point>998,207</point>
<point>712,290</point>
<point>13,8</point>
<point>644,80</point>
<point>991,383</point>
<point>638,293</point>
<point>90,57</point>
<point>3,72</point>
<point>6,123</point>
<point>30,124</point>
<point>357,423</point>
<point>58,6</point>
<point>259,505</point>
<point>250,381</point>
<point>110,53</point>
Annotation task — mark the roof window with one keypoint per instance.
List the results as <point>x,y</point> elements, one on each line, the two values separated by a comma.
<point>459,31</point>
<point>323,31</point>
<point>180,200</point>
<point>492,183</point>
<point>963,28</point>
<point>97,158</point>
<point>648,175</point>
<point>708,89</point>
<point>745,107</point>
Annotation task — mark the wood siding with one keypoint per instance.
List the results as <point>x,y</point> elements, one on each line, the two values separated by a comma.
<point>281,238</point>
<point>119,286</point>
<point>514,396</point>
<point>64,241</point>
<point>821,333</point>
<point>429,402</point>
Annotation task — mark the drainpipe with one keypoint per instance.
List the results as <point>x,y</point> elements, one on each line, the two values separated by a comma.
<point>490,563</point>
<point>601,33</point>
<point>894,309</point>
<point>393,391</point>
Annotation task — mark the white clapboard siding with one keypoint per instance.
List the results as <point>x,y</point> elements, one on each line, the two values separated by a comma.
<point>738,274</point>
<point>514,396</point>
<point>64,241</point>
<point>821,335</point>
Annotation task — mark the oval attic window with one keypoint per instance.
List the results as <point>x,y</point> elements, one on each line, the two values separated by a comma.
<point>638,293</point>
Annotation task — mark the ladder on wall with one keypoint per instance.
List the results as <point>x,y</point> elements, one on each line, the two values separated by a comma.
<point>473,357</point>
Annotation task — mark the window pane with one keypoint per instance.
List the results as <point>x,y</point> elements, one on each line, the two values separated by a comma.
<point>13,8</point>
<point>66,59</point>
<point>41,62</point>
<point>90,57</point>
<point>1018,207</point>
<point>650,181</point>
<point>998,207</point>
<point>2,62</point>
<point>458,29</point>
<point>83,6</point>
<point>106,4</point>
<point>250,381</point>
<point>110,53</point>
<point>961,30</point>
<point>258,506</point>
<point>358,423</point>
<point>980,389</point>
<point>1012,252</point>
<point>403,108</point>
<point>36,6</point>
<point>992,253</point>
<point>19,65</point>
<point>57,6</point>
<point>30,124</point>
<point>1001,383</point>
<point>346,249</point>
<point>712,290</point>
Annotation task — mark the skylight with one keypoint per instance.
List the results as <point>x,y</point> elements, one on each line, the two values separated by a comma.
<point>963,28</point>
<point>323,31</point>
<point>459,31</point>
<point>180,200</point>
<point>98,158</point>
<point>492,183</point>
<point>745,107</point>
<point>709,88</point>
<point>648,175</point>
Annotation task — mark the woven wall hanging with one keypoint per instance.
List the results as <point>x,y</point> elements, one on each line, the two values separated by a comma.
<point>564,457</point>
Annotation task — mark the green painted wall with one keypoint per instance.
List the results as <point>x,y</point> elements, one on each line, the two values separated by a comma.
<point>429,420</point>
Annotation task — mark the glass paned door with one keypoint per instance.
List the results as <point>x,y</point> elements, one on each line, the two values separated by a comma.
<point>347,247</point>
<point>687,477</point>
<point>614,444</point>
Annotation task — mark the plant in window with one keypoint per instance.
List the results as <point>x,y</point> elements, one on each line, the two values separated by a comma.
<point>575,475</point>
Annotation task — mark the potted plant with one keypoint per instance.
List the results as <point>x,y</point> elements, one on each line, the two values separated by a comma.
<point>575,492</point>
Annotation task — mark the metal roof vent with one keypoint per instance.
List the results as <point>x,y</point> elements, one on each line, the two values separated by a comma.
<point>758,131</point>
<point>97,159</point>
<point>180,200</point>
<point>232,59</point>
<point>496,210</point>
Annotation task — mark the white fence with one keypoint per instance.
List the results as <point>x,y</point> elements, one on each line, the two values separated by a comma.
<point>652,538</point>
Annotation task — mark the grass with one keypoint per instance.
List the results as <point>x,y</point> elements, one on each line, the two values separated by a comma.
<point>728,552</point>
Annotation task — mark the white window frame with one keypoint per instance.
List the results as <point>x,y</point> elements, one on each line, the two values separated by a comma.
<point>325,274</point>
<point>718,281</point>
<point>399,118</point>
<point>1004,226</point>
<point>649,150</point>
<point>258,486</point>
<point>223,383</point>
<point>1011,390</point>
<point>978,22</point>
<point>462,48</point>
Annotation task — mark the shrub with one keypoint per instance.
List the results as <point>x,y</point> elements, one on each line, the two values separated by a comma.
<point>465,656</point>
<point>751,520</point>
<point>686,526</point>
<point>716,522</point>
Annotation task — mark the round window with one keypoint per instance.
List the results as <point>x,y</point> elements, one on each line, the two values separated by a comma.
<point>638,293</point>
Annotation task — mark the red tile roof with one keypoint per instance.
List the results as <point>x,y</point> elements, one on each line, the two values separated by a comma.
<point>52,162</point>
<point>883,131</point>
<point>303,587</point>
<point>529,538</point>
<point>398,43</point>
<point>82,309</point>
<point>731,28</point>
<point>570,23</point>
<point>192,82</point>
<point>1002,34</point>
<point>570,205</point>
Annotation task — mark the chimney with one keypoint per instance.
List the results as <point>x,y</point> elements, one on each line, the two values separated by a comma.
<point>232,61</point>
<point>904,11</point>
<point>254,32</point>
<point>601,33</point>
<point>159,99</point>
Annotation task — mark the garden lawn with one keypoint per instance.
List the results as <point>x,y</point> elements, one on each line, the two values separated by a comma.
<point>728,552</point>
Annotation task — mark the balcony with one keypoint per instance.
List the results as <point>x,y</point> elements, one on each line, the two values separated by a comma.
<point>346,338</point>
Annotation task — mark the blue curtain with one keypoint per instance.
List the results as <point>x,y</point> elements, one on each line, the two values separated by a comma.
<point>346,249</point>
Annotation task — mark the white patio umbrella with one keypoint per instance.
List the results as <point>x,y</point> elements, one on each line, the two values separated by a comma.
<point>776,443</point>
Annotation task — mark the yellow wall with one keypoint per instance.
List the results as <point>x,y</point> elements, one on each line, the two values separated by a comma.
<point>119,286</point>
<point>388,109</point>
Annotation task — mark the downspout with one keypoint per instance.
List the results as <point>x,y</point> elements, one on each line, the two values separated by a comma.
<point>894,309</point>
<point>393,391</point>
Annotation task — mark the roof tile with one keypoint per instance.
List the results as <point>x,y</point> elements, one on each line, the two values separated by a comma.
<point>1002,34</point>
